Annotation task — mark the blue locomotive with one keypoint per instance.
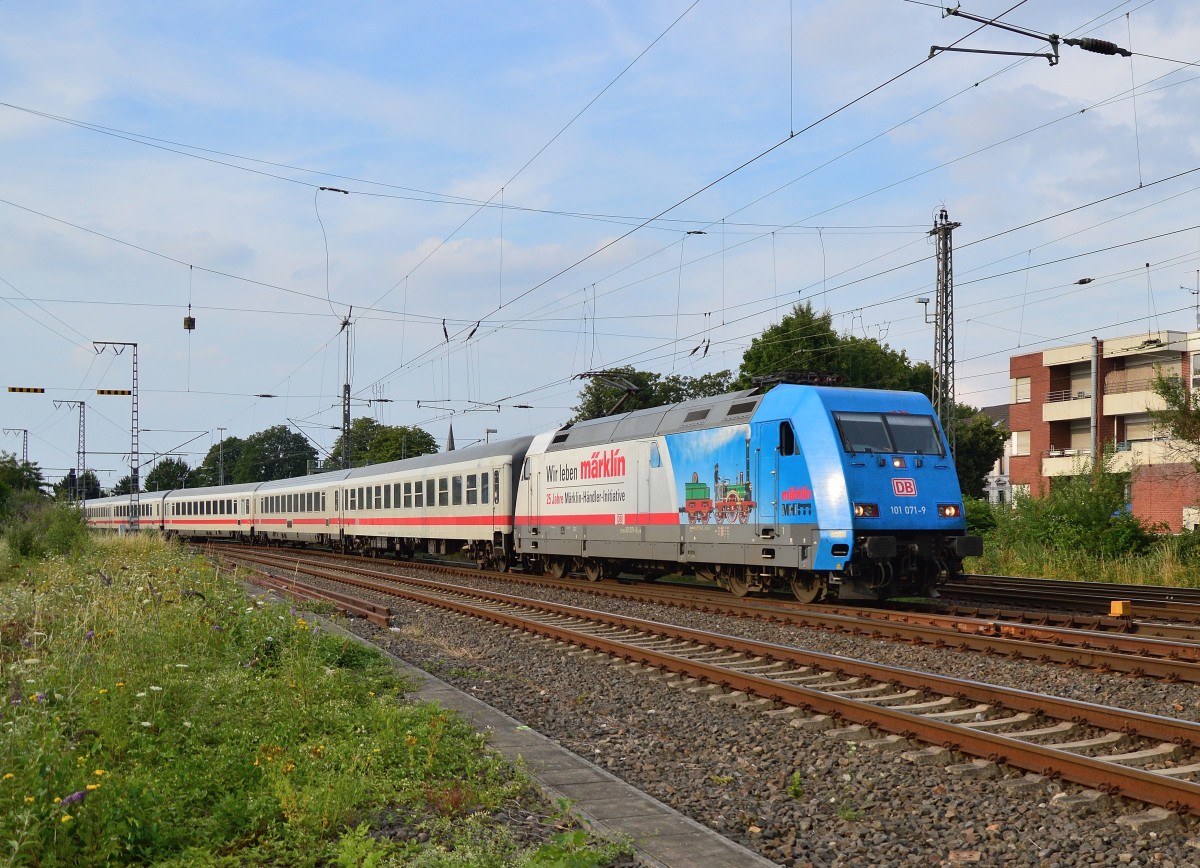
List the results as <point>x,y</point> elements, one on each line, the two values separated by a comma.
<point>807,488</point>
<point>810,489</point>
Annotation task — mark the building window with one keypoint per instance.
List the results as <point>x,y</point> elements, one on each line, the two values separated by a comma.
<point>1020,390</point>
<point>1020,443</point>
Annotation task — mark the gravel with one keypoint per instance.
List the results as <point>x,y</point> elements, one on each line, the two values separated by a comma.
<point>797,797</point>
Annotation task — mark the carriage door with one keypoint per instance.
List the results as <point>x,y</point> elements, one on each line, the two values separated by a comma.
<point>532,481</point>
<point>765,495</point>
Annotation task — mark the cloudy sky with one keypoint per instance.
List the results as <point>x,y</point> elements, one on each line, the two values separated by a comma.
<point>568,186</point>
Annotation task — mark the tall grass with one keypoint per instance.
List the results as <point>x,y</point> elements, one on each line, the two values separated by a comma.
<point>154,714</point>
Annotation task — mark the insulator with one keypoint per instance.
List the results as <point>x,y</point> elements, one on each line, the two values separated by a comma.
<point>1099,46</point>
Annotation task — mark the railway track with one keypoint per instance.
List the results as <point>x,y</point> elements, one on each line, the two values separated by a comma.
<point>1172,659</point>
<point>1116,751</point>
<point>1147,601</point>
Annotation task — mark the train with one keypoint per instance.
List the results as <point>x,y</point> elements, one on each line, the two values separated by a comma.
<point>817,491</point>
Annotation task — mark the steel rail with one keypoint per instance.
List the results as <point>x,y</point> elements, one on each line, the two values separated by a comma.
<point>1138,656</point>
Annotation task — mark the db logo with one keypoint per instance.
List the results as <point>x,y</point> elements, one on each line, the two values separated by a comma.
<point>904,487</point>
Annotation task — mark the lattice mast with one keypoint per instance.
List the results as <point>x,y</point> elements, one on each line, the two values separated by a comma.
<point>943,349</point>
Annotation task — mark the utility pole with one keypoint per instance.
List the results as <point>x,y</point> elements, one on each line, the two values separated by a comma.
<point>81,452</point>
<point>24,442</point>
<point>135,485</point>
<point>943,329</point>
<point>221,458</point>
<point>346,326</point>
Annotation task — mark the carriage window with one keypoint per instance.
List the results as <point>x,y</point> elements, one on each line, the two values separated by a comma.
<point>408,495</point>
<point>495,486</point>
<point>456,490</point>
<point>387,497</point>
<point>443,492</point>
<point>396,495</point>
<point>483,487</point>
<point>419,497</point>
<point>221,506</point>
<point>336,499</point>
<point>363,502</point>
<point>378,497</point>
<point>472,489</point>
<point>352,502</point>
<point>429,489</point>
<point>322,507</point>
<point>655,458</point>
<point>787,439</point>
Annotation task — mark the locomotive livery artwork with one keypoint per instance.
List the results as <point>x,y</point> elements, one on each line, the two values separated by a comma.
<point>811,489</point>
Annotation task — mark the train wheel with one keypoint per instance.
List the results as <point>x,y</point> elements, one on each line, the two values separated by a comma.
<point>556,567</point>
<point>808,589</point>
<point>593,571</point>
<point>737,584</point>
<point>499,563</point>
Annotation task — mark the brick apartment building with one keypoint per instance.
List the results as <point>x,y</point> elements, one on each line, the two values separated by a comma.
<point>1059,394</point>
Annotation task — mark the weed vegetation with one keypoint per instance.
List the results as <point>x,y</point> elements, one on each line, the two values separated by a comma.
<point>1081,529</point>
<point>155,714</point>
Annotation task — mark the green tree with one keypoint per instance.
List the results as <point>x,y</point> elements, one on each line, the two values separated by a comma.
<point>806,341</point>
<point>16,475</point>
<point>627,388</point>
<point>274,453</point>
<point>979,442</point>
<point>123,486</point>
<point>374,443</point>
<point>167,475</point>
<point>66,487</point>
<point>208,472</point>
<point>1180,418</point>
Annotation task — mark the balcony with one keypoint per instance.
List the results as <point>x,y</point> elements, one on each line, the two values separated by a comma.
<point>1066,462</point>
<point>1065,404</point>
<point>1131,397</point>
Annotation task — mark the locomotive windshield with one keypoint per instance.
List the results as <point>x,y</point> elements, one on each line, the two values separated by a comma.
<point>889,432</point>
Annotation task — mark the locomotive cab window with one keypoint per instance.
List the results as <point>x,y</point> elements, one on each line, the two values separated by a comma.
<point>787,439</point>
<point>888,432</point>
<point>655,457</point>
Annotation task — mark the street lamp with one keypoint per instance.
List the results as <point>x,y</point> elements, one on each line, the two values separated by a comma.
<point>487,434</point>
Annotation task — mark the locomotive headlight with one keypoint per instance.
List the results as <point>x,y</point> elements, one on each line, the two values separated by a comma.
<point>949,510</point>
<point>866,510</point>
<point>898,462</point>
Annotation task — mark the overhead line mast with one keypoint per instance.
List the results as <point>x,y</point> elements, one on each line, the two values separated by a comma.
<point>943,330</point>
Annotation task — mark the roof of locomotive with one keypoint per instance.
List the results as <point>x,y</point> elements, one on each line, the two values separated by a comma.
<point>731,408</point>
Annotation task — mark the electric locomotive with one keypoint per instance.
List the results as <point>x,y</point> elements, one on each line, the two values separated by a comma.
<point>810,489</point>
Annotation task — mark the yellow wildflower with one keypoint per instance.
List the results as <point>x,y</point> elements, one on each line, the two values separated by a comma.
<point>93,786</point>
<point>120,684</point>
<point>29,798</point>
<point>8,776</point>
<point>66,818</point>
<point>99,773</point>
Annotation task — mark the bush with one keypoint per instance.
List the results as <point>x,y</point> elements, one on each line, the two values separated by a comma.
<point>981,515</point>
<point>38,527</point>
